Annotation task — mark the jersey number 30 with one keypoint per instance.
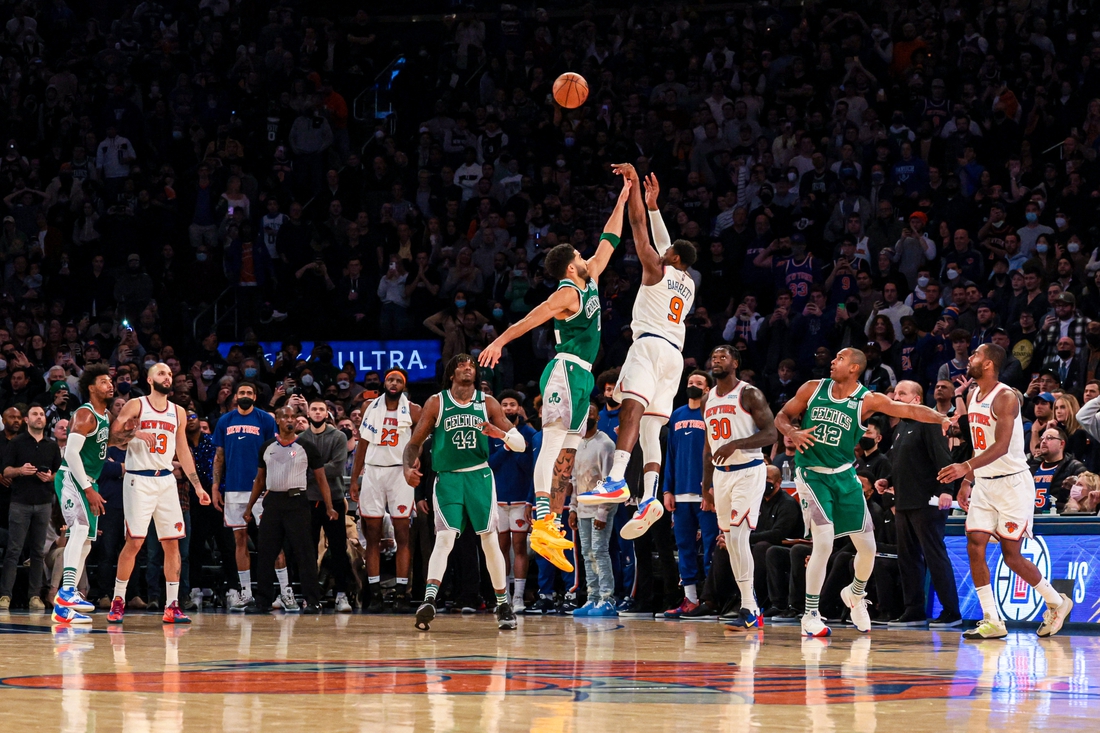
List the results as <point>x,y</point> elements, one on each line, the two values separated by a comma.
<point>675,309</point>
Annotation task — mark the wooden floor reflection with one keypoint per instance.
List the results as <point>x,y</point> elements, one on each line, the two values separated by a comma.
<point>553,675</point>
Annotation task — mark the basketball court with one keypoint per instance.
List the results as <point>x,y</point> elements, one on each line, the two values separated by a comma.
<point>555,675</point>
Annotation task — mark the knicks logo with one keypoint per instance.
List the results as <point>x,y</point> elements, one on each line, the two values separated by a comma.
<point>579,681</point>
<point>1018,600</point>
<point>179,526</point>
<point>402,508</point>
<point>520,523</point>
<point>1011,527</point>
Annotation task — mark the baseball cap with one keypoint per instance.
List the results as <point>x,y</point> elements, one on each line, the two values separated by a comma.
<point>91,344</point>
<point>1046,397</point>
<point>9,218</point>
<point>985,303</point>
<point>134,257</point>
<point>1066,299</point>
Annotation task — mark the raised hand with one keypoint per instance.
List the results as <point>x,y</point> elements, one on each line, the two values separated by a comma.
<point>652,190</point>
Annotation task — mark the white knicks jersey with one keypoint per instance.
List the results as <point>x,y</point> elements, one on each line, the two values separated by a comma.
<point>727,420</point>
<point>983,428</point>
<point>661,309</point>
<point>163,425</point>
<point>386,448</point>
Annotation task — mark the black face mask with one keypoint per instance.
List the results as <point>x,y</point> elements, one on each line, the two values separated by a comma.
<point>347,433</point>
<point>694,393</point>
<point>1093,339</point>
<point>245,403</point>
<point>1065,353</point>
<point>514,419</point>
<point>591,424</point>
<point>867,444</point>
<point>316,423</point>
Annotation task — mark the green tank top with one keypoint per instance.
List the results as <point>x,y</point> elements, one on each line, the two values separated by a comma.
<point>579,334</point>
<point>94,452</point>
<point>457,442</point>
<point>837,428</point>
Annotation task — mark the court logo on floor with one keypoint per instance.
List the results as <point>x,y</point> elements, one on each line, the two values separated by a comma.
<point>1017,599</point>
<point>598,681</point>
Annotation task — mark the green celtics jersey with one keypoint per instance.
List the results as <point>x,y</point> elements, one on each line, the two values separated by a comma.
<point>457,442</point>
<point>837,427</point>
<point>579,334</point>
<point>94,452</point>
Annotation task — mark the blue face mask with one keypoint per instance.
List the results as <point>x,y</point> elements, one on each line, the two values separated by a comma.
<point>498,313</point>
<point>460,304</point>
<point>1041,248</point>
<point>250,372</point>
<point>1031,217</point>
<point>200,256</point>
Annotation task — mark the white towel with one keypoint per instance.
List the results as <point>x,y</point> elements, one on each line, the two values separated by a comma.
<point>374,419</point>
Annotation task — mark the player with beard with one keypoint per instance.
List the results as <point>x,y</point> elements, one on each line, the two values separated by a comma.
<point>388,422</point>
<point>739,423</point>
<point>998,494</point>
<point>149,489</point>
<point>567,381</point>
<point>90,433</point>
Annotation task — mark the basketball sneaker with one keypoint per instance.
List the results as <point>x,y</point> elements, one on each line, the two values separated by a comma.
<point>814,626</point>
<point>241,602</point>
<point>649,511</point>
<point>288,602</point>
<point>549,532</point>
<point>550,545</point>
<point>69,615</point>
<point>118,610</point>
<point>603,609</point>
<point>685,607</point>
<point>518,606</point>
<point>506,618</point>
<point>424,615</point>
<point>343,606</point>
<point>746,619</point>
<point>861,619</point>
<point>173,614</point>
<point>1055,617</point>
<point>607,491</point>
<point>988,628</point>
<point>71,598</point>
<point>585,609</point>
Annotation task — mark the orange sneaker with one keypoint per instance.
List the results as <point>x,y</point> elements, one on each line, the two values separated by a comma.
<point>547,533</point>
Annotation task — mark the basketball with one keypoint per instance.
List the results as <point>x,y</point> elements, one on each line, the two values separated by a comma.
<point>570,90</point>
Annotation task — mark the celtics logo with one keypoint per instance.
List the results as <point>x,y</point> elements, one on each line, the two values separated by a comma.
<point>554,399</point>
<point>69,504</point>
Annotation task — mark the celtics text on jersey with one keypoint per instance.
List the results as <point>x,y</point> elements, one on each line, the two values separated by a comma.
<point>837,425</point>
<point>457,441</point>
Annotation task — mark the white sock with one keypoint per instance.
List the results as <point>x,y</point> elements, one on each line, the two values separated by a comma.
<point>649,484</point>
<point>1051,596</point>
<point>120,588</point>
<point>748,596</point>
<point>284,578</point>
<point>246,582</point>
<point>401,581</point>
<point>989,603</point>
<point>374,578</point>
<point>690,593</point>
<point>618,468</point>
<point>520,587</point>
<point>171,592</point>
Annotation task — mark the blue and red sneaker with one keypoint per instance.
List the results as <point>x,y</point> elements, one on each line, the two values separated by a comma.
<point>685,606</point>
<point>649,511</point>
<point>607,491</point>
<point>174,615</point>
<point>71,598</point>
<point>69,615</point>
<point>118,610</point>
<point>746,619</point>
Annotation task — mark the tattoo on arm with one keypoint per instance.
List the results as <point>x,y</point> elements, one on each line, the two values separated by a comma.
<point>563,479</point>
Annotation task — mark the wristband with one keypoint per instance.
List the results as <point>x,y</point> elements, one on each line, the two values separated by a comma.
<point>614,239</point>
<point>515,442</point>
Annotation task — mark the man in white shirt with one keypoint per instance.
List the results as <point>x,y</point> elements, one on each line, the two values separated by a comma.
<point>113,158</point>
<point>890,307</point>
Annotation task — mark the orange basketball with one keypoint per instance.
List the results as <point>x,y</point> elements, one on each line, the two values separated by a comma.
<point>570,90</point>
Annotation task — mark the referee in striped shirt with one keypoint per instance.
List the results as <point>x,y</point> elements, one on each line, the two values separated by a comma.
<point>285,463</point>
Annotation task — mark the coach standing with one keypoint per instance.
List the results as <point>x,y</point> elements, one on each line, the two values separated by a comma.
<point>284,463</point>
<point>918,452</point>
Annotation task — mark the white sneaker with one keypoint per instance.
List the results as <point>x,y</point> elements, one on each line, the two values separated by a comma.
<point>649,511</point>
<point>813,625</point>
<point>1055,617</point>
<point>989,628</point>
<point>342,605</point>
<point>289,602</point>
<point>196,597</point>
<point>517,605</point>
<point>861,619</point>
<point>233,600</point>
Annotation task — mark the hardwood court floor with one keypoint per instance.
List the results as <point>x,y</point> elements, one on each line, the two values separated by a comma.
<point>552,675</point>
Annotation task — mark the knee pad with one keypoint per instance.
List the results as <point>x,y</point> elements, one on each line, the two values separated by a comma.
<point>649,435</point>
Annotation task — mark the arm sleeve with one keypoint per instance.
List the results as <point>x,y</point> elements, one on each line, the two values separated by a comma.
<point>661,239</point>
<point>72,460</point>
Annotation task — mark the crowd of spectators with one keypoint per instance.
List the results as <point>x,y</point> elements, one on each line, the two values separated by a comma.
<point>909,178</point>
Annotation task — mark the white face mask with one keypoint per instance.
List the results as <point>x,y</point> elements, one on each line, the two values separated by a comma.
<point>952,274</point>
<point>1060,221</point>
<point>922,282</point>
<point>1073,248</point>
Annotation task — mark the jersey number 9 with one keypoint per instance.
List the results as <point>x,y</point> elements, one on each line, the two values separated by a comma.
<point>675,309</point>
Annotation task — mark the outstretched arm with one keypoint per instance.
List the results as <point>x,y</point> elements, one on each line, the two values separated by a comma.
<point>612,234</point>
<point>661,238</point>
<point>875,402</point>
<point>564,302</point>
<point>651,261</point>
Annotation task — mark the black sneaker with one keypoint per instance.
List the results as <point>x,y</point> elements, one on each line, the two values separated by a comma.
<point>909,619</point>
<point>254,609</point>
<point>424,615</point>
<point>506,619</point>
<point>312,609</point>
<point>946,621</point>
<point>375,604</point>
<point>703,612</point>
<point>153,605</point>
<point>567,606</point>
<point>788,617</point>
<point>772,612</point>
<point>544,605</point>
<point>401,604</point>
